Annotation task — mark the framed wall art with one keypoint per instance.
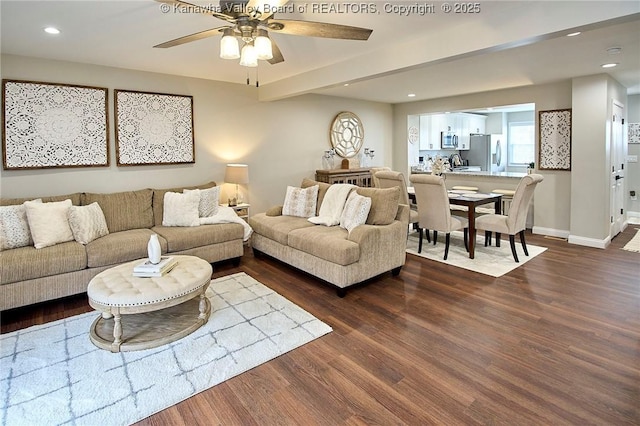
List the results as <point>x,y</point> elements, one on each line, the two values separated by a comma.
<point>554,148</point>
<point>346,134</point>
<point>153,128</point>
<point>47,125</point>
<point>634,133</point>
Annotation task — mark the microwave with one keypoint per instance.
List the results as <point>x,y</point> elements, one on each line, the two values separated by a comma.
<point>448,140</point>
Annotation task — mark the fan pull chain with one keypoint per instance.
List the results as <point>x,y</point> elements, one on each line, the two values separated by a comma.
<point>257,81</point>
<point>248,77</point>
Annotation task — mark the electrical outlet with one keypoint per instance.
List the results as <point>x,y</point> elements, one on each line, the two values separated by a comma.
<point>632,158</point>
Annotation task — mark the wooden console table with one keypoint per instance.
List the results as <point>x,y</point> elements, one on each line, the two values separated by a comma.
<point>359,177</point>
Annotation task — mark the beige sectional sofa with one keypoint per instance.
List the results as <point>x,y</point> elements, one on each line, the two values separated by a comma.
<point>29,275</point>
<point>332,253</point>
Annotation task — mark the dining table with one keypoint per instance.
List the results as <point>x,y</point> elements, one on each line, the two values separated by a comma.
<point>471,200</point>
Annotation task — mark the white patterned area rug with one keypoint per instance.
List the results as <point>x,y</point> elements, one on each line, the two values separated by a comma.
<point>634,244</point>
<point>52,374</point>
<point>491,260</point>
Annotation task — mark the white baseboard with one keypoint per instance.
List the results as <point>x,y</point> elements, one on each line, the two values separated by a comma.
<point>559,233</point>
<point>589,242</point>
<point>633,214</point>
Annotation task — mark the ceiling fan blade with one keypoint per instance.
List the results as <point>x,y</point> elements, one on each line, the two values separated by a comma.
<point>277,54</point>
<point>263,9</point>
<point>183,5</point>
<point>319,29</point>
<point>193,37</point>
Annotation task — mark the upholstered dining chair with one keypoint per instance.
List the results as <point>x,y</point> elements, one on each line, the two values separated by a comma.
<point>515,222</point>
<point>390,179</point>
<point>373,171</point>
<point>434,211</point>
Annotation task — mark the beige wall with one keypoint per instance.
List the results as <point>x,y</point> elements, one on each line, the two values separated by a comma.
<point>553,197</point>
<point>282,141</point>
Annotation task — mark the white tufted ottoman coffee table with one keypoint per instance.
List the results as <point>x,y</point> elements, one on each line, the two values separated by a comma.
<point>142,313</point>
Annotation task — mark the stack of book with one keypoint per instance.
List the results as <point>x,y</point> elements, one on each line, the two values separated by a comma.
<point>148,269</point>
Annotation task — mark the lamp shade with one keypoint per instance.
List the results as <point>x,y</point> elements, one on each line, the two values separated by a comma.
<point>229,48</point>
<point>262,43</point>
<point>248,56</point>
<point>237,173</point>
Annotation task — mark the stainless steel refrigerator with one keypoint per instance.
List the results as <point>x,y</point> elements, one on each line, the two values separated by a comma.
<point>487,151</point>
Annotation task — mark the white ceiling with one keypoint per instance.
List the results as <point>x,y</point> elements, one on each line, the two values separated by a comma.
<point>506,44</point>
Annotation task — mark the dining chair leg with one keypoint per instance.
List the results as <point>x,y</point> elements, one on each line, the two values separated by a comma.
<point>497,239</point>
<point>419,240</point>
<point>512,241</point>
<point>524,244</point>
<point>435,237</point>
<point>428,235</point>
<point>446,245</point>
<point>487,238</point>
<point>466,239</point>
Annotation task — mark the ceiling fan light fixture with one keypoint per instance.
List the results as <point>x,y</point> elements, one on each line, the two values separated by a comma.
<point>248,56</point>
<point>229,48</point>
<point>263,45</point>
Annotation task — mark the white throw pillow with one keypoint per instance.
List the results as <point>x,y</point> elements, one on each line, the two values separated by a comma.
<point>355,211</point>
<point>300,202</point>
<point>49,223</point>
<point>14,227</point>
<point>209,200</point>
<point>181,209</point>
<point>87,222</point>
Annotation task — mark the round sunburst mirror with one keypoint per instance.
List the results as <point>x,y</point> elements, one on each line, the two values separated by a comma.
<point>347,134</point>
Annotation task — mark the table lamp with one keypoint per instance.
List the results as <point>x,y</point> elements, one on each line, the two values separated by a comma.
<point>238,174</point>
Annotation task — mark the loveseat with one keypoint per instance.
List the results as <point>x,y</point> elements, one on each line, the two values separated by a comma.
<point>332,253</point>
<point>29,275</point>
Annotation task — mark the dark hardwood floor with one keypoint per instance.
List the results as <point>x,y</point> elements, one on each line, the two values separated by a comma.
<point>554,342</point>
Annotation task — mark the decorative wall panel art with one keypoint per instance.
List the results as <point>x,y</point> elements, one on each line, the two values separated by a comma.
<point>634,132</point>
<point>47,125</point>
<point>554,150</point>
<point>153,128</point>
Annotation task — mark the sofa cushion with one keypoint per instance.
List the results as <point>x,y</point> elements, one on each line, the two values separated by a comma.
<point>322,190</point>
<point>179,239</point>
<point>158,200</point>
<point>87,223</point>
<point>75,199</point>
<point>277,228</point>
<point>119,247</point>
<point>384,204</point>
<point>181,209</point>
<point>124,210</point>
<point>355,212</point>
<point>326,242</point>
<point>209,200</point>
<point>27,263</point>
<point>300,202</point>
<point>14,227</point>
<point>49,222</point>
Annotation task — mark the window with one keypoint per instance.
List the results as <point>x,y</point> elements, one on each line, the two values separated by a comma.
<point>521,147</point>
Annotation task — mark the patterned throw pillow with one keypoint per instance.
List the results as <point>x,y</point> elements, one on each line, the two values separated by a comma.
<point>87,223</point>
<point>355,211</point>
<point>14,227</point>
<point>181,209</point>
<point>49,223</point>
<point>300,202</point>
<point>209,200</point>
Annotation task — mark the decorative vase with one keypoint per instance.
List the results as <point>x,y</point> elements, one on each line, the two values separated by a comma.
<point>153,248</point>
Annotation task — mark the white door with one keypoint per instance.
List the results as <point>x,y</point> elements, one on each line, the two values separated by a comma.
<point>617,170</point>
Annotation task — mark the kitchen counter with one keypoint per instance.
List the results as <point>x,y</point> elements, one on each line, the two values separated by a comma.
<point>487,174</point>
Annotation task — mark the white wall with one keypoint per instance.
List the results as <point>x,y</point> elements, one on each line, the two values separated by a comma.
<point>553,195</point>
<point>282,141</point>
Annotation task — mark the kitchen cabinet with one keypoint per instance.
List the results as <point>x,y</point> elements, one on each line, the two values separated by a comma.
<point>460,124</point>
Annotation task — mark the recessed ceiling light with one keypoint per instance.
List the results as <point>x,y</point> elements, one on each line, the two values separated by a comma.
<point>611,65</point>
<point>614,50</point>
<point>411,95</point>
<point>52,30</point>
<point>573,34</point>
<point>346,84</point>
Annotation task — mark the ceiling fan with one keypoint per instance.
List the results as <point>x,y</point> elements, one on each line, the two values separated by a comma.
<point>250,21</point>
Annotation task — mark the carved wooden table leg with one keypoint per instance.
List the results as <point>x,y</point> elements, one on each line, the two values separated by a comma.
<point>202,307</point>
<point>117,331</point>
